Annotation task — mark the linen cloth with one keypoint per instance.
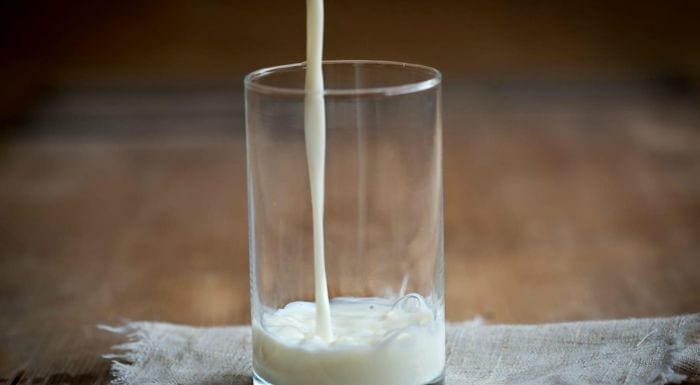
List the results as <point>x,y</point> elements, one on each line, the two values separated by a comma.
<point>632,351</point>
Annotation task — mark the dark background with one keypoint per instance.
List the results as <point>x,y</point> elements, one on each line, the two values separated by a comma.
<point>48,44</point>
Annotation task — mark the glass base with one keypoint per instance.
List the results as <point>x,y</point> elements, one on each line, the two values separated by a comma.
<point>257,380</point>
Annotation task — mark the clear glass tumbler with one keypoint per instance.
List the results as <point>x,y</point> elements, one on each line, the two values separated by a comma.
<point>383,226</point>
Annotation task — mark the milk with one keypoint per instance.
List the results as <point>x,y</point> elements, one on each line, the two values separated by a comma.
<point>315,131</point>
<point>377,341</point>
<point>348,341</point>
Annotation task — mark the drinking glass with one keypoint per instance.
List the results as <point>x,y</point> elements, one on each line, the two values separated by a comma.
<point>383,191</point>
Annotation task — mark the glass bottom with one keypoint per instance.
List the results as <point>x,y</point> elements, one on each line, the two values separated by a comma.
<point>257,380</point>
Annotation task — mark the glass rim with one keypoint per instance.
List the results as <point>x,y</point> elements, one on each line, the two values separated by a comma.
<point>434,79</point>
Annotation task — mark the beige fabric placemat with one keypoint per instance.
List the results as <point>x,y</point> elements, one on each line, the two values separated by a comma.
<point>633,351</point>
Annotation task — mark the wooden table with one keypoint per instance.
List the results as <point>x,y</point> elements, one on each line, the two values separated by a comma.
<point>562,203</point>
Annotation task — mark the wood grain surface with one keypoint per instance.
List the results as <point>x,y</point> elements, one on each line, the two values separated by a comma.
<point>565,202</point>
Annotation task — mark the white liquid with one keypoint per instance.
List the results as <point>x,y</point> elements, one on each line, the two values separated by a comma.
<point>350,341</point>
<point>377,342</point>
<point>315,130</point>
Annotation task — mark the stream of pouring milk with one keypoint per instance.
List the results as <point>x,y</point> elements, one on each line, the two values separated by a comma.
<point>347,341</point>
<point>315,131</point>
